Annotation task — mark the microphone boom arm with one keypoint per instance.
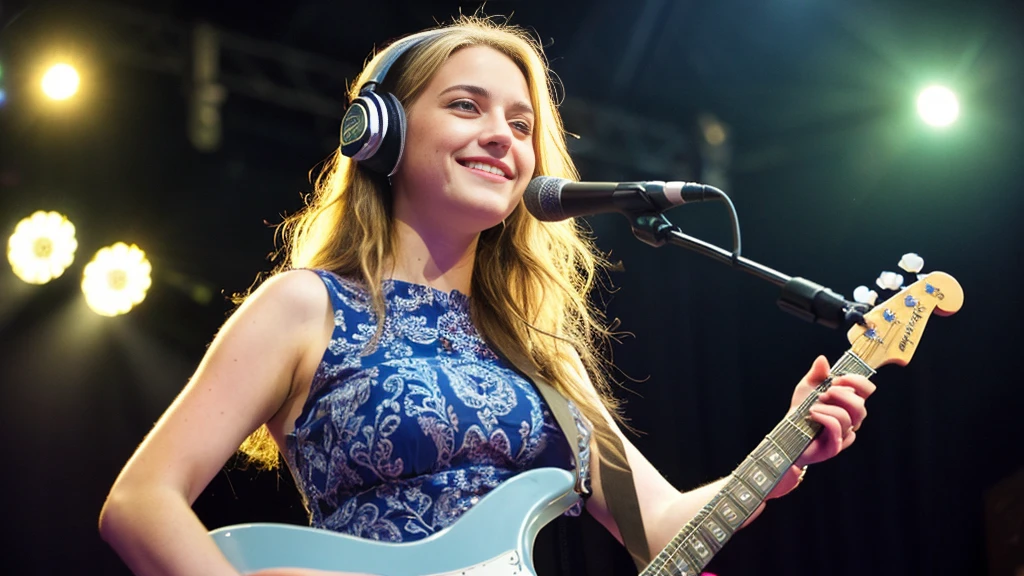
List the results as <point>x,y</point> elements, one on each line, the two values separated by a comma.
<point>801,297</point>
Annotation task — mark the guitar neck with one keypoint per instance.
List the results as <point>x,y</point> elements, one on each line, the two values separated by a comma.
<point>748,486</point>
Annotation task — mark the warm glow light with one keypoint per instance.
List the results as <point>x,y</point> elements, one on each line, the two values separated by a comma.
<point>116,279</point>
<point>42,247</point>
<point>938,106</point>
<point>60,82</point>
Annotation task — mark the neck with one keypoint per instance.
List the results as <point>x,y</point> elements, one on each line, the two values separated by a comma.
<point>443,260</point>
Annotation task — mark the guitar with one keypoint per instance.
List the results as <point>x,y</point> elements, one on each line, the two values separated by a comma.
<point>495,537</point>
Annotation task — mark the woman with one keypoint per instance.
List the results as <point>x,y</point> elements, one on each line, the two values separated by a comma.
<point>384,361</point>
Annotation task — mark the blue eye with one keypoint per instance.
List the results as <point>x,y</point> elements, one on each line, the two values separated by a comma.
<point>523,127</point>
<point>466,105</point>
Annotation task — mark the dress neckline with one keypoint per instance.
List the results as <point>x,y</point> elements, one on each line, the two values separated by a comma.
<point>455,293</point>
<point>394,287</point>
<point>452,300</point>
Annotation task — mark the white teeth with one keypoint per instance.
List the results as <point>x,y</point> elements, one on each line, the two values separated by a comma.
<point>485,168</point>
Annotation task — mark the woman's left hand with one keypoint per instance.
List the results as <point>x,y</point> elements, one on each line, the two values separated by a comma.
<point>840,411</point>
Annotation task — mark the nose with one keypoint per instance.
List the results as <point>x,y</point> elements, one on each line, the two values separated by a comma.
<point>496,134</point>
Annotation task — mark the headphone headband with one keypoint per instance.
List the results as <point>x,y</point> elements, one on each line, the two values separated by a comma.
<point>395,51</point>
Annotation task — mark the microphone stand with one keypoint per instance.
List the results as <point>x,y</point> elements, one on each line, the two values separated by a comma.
<point>804,299</point>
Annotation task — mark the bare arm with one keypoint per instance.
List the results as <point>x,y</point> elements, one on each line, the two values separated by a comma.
<point>244,379</point>
<point>665,510</point>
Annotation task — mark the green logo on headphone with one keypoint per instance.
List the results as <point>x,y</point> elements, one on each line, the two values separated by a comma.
<point>353,125</point>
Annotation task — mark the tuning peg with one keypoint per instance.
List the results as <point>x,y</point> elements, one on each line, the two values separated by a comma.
<point>889,280</point>
<point>865,295</point>
<point>911,263</point>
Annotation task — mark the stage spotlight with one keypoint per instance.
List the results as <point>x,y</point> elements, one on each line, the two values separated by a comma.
<point>116,279</point>
<point>42,247</point>
<point>60,82</point>
<point>3,96</point>
<point>938,106</point>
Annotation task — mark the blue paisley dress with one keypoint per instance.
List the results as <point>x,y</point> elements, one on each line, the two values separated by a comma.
<point>398,440</point>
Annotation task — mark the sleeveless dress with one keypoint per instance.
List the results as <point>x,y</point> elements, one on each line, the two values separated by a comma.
<point>397,440</point>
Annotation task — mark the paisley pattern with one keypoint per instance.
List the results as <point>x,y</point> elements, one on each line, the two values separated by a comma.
<point>401,435</point>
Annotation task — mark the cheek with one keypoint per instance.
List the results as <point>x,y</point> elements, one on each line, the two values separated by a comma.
<point>528,160</point>
<point>435,153</point>
<point>426,160</point>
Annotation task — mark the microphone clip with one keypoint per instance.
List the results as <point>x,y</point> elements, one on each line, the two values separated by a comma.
<point>815,303</point>
<point>652,229</point>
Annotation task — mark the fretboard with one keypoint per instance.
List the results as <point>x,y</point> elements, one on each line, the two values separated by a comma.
<point>748,486</point>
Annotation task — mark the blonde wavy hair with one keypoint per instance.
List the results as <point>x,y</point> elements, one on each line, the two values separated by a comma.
<point>532,281</point>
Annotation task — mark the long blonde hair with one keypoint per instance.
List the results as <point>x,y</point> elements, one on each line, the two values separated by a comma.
<point>532,280</point>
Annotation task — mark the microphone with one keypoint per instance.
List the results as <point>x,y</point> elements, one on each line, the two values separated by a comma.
<point>552,199</point>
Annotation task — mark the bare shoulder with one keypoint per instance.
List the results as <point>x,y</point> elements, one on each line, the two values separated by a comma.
<point>301,293</point>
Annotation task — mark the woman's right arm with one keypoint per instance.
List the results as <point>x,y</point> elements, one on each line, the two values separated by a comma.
<point>244,379</point>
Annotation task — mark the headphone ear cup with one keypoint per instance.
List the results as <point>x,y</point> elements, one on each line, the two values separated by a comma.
<point>360,127</point>
<point>392,144</point>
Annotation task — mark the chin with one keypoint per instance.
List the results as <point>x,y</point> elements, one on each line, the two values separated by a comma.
<point>488,213</point>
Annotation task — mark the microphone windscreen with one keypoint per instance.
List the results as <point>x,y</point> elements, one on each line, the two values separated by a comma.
<point>543,198</point>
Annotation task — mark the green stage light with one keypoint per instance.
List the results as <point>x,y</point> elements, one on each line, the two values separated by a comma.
<point>938,106</point>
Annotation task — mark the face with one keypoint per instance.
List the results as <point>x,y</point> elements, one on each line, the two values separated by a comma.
<point>469,146</point>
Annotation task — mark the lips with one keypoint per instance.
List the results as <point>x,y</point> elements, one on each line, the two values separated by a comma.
<point>489,165</point>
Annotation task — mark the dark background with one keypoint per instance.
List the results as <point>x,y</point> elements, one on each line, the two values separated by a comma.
<point>833,175</point>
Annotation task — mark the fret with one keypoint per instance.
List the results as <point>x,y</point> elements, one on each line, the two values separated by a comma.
<point>710,540</point>
<point>757,479</point>
<point>680,566</point>
<point>775,456</point>
<point>743,498</point>
<point>729,514</point>
<point>700,552</point>
<point>852,364</point>
<point>796,443</point>
<point>800,425</point>
<point>717,532</point>
<point>772,457</point>
<point>743,490</point>
<point>659,565</point>
<point>680,550</point>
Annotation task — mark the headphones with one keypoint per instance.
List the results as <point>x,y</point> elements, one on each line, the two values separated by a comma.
<point>373,128</point>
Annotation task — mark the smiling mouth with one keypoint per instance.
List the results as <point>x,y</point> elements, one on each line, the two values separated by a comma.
<point>485,168</point>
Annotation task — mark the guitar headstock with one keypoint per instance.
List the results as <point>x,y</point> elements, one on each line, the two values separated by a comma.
<point>893,329</point>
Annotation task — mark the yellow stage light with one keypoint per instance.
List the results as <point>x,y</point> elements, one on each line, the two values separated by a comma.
<point>60,82</point>
<point>116,279</point>
<point>938,106</point>
<point>42,247</point>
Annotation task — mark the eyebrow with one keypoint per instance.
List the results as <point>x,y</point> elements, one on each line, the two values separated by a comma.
<point>517,106</point>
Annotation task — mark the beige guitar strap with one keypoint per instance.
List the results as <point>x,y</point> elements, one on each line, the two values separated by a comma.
<point>616,475</point>
<point>620,494</point>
